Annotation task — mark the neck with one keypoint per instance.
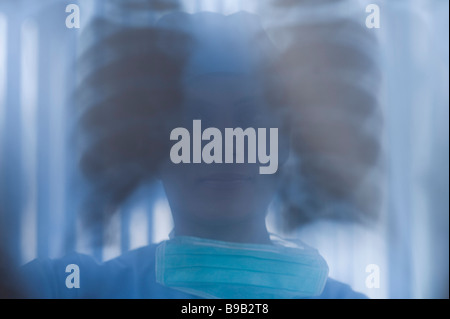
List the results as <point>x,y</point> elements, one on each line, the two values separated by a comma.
<point>251,232</point>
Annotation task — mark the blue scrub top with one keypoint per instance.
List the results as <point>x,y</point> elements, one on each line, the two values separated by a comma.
<point>129,276</point>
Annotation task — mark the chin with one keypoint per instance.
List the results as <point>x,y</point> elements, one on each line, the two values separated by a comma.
<point>227,215</point>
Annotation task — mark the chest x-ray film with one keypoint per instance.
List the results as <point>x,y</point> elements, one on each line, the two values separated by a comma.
<point>224,149</point>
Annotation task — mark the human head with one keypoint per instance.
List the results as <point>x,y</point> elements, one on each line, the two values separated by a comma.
<point>224,87</point>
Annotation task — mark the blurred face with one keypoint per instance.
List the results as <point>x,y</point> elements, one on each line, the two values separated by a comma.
<point>219,194</point>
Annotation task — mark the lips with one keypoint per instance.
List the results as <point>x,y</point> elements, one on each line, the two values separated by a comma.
<point>225,177</point>
<point>225,180</point>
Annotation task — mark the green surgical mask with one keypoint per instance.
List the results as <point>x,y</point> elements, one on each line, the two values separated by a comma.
<point>217,269</point>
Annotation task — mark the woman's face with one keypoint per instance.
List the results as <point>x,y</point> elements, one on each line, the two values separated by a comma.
<point>219,194</point>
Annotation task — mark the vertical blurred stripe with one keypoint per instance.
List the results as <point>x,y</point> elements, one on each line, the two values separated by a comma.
<point>221,6</point>
<point>112,238</point>
<point>209,5</point>
<point>162,220</point>
<point>137,228</point>
<point>11,181</point>
<point>71,194</point>
<point>3,72</point>
<point>125,226</point>
<point>45,64</point>
<point>29,97</point>
<point>56,80</point>
<point>189,6</point>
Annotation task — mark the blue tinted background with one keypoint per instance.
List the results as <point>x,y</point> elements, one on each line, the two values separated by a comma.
<point>41,189</point>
